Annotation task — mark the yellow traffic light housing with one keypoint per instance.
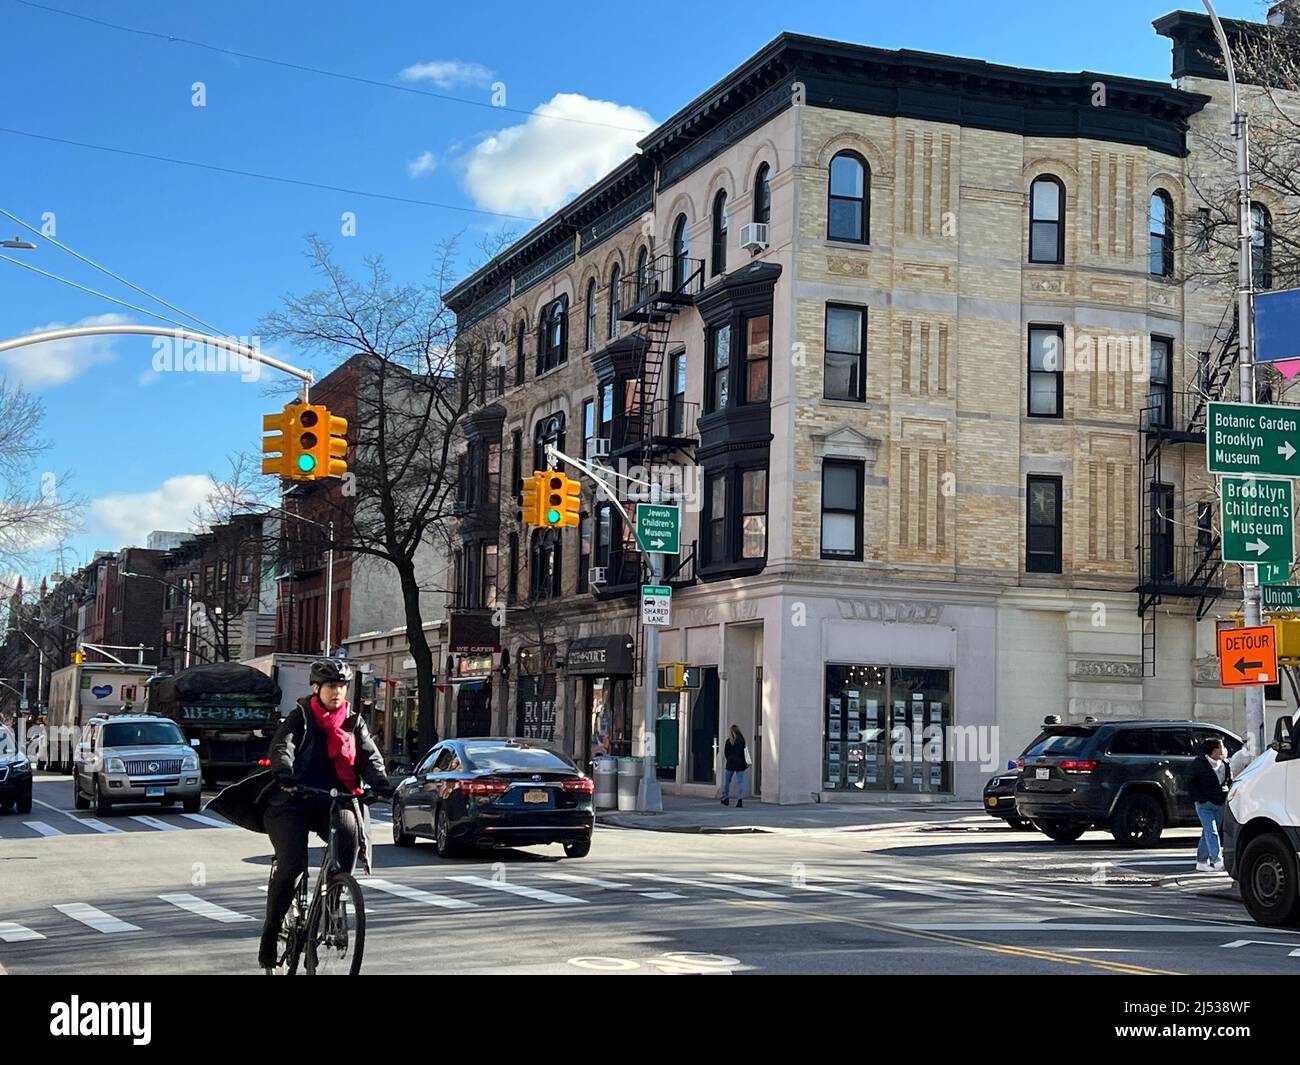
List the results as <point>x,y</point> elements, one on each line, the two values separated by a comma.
<point>530,498</point>
<point>273,449</point>
<point>336,446</point>
<point>78,658</point>
<point>307,443</point>
<point>562,502</point>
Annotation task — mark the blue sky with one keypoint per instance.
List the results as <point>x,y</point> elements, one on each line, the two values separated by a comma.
<point>227,248</point>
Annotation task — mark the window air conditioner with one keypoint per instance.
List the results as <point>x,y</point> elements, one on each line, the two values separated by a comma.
<point>596,575</point>
<point>753,236</point>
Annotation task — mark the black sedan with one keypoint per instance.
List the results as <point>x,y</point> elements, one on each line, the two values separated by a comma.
<point>15,775</point>
<point>1000,797</point>
<point>495,793</point>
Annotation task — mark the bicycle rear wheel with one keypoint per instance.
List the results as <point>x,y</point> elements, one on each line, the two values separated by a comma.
<point>336,929</point>
<point>292,927</point>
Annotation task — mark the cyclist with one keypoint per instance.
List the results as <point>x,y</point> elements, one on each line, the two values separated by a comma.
<point>320,745</point>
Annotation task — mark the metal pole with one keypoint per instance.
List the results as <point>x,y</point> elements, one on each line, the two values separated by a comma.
<point>1250,590</point>
<point>329,595</point>
<point>648,795</point>
<point>189,617</point>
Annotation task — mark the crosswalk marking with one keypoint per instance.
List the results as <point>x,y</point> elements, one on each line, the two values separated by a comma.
<point>43,828</point>
<point>539,894</point>
<point>211,822</point>
<point>97,825</point>
<point>753,893</point>
<point>911,887</point>
<point>93,918</point>
<point>414,894</point>
<point>153,822</point>
<point>611,885</point>
<point>17,933</point>
<point>821,889</point>
<point>210,910</point>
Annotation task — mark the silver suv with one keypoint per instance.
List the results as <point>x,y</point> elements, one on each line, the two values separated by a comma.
<point>134,758</point>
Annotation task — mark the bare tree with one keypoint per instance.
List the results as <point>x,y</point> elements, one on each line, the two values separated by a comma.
<point>32,515</point>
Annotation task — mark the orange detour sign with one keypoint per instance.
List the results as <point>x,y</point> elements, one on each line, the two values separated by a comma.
<point>1247,656</point>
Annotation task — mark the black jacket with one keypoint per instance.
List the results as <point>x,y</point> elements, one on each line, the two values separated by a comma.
<point>735,755</point>
<point>1204,784</point>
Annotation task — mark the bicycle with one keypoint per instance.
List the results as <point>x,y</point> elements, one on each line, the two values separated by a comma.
<point>321,932</point>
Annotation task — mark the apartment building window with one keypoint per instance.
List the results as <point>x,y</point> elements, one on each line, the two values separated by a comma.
<point>1046,372</point>
<point>1204,528</point>
<point>591,315</point>
<point>677,394</point>
<point>458,579</point>
<point>758,358</point>
<point>517,461</point>
<point>488,569</point>
<point>681,254</point>
<point>719,256</point>
<point>1261,250</point>
<point>846,352</point>
<point>519,352</point>
<point>512,574</point>
<point>842,510</point>
<point>847,217</point>
<point>606,423</point>
<point>1162,532</point>
<point>719,351</point>
<point>1047,220</point>
<point>715,494</point>
<point>763,194</point>
<point>553,336</point>
<point>615,301</point>
<point>482,377</point>
<point>604,533</point>
<point>1162,241</point>
<point>584,550</point>
<point>753,513</point>
<point>1159,390</point>
<point>549,431</point>
<point>588,425</point>
<point>547,562</point>
<point>642,274</point>
<point>1043,525</point>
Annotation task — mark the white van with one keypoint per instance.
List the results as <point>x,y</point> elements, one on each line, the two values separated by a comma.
<point>1261,830</point>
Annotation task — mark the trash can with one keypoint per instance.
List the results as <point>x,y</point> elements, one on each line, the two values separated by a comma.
<point>630,771</point>
<point>606,778</point>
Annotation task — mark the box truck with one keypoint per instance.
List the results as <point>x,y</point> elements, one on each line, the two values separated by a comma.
<point>78,693</point>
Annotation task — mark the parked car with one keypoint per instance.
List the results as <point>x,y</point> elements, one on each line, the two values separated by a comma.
<point>495,792</point>
<point>1128,777</point>
<point>15,775</point>
<point>135,758</point>
<point>1000,797</point>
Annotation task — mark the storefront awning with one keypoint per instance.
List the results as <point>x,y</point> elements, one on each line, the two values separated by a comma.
<point>608,656</point>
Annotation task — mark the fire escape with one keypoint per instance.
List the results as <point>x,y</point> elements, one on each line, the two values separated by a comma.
<point>1187,566</point>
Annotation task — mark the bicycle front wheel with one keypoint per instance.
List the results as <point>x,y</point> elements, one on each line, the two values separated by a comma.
<point>336,929</point>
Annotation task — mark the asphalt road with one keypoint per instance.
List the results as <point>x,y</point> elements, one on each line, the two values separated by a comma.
<point>154,891</point>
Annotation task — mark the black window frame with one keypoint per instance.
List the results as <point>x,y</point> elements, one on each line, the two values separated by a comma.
<point>589,332</point>
<point>1165,237</point>
<point>588,425</point>
<point>517,461</point>
<point>857,468</point>
<point>1058,255</point>
<point>678,368</point>
<point>681,252</point>
<point>1055,561</point>
<point>861,355</point>
<point>863,201</point>
<point>1059,372</point>
<point>747,362</point>
<point>553,348</point>
<point>718,252</point>
<point>615,301</point>
<point>549,429</point>
<point>763,194</point>
<point>642,273</point>
<point>1160,415</point>
<point>738,532</point>
<point>1261,248</point>
<point>714,373</point>
<point>521,360</point>
<point>716,555</point>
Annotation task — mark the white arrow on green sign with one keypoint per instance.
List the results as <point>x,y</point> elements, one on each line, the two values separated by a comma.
<point>1253,438</point>
<point>1256,520</point>
<point>659,528</point>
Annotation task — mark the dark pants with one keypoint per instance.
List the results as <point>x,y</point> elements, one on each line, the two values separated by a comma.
<point>287,823</point>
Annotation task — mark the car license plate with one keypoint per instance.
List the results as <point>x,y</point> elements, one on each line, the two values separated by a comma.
<point>1042,774</point>
<point>536,795</point>
<point>152,792</point>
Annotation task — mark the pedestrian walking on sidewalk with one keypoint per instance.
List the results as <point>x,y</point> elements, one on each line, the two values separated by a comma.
<point>737,756</point>
<point>1209,784</point>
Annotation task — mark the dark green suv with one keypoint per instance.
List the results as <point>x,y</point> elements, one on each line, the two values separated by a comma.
<point>1128,777</point>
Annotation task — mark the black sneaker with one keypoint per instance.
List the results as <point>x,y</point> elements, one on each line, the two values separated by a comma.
<point>726,801</point>
<point>740,803</point>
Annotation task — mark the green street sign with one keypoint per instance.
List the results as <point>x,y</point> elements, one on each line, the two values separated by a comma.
<point>659,528</point>
<point>1256,520</point>
<point>1274,573</point>
<point>1281,597</point>
<point>1253,438</point>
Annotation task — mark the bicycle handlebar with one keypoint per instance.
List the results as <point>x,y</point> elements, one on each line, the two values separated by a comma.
<point>369,795</point>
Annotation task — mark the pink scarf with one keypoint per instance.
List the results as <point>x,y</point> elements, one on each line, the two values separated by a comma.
<point>340,744</point>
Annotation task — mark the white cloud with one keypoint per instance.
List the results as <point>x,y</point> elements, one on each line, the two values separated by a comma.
<point>422,165</point>
<point>448,73</point>
<point>58,362</point>
<point>535,167</point>
<point>132,516</point>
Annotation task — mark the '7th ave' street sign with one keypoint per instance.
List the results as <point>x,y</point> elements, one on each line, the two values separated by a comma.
<point>1250,438</point>
<point>1256,520</point>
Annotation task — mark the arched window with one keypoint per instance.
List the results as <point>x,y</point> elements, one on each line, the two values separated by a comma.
<point>681,251</point>
<point>1162,238</point>
<point>1261,251</point>
<point>591,314</point>
<point>553,335</point>
<point>549,430</point>
<point>642,273</point>
<point>848,213</point>
<point>1047,220</point>
<point>763,194</point>
<point>719,258</point>
<point>615,300</point>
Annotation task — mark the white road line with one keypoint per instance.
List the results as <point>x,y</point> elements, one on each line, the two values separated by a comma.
<point>820,888</point>
<point>56,809</point>
<point>611,885</point>
<point>1064,926</point>
<point>414,894</point>
<point>753,893</point>
<point>97,825</point>
<point>153,822</point>
<point>210,910</point>
<point>911,887</point>
<point>17,933</point>
<point>44,829</point>
<point>211,822</point>
<point>539,894</point>
<point>93,918</point>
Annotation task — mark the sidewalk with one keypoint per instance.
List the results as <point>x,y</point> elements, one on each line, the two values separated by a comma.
<point>683,813</point>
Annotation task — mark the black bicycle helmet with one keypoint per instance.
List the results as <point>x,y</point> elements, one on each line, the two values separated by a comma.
<point>328,671</point>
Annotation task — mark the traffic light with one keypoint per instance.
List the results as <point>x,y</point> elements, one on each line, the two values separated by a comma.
<point>307,443</point>
<point>336,446</point>
<point>78,657</point>
<point>273,453</point>
<point>562,505</point>
<point>530,499</point>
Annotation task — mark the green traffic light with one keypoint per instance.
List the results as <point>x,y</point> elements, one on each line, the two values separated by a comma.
<point>552,517</point>
<point>306,463</point>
